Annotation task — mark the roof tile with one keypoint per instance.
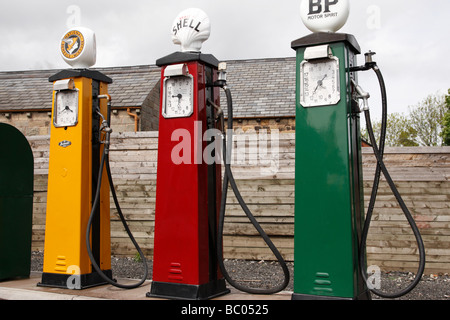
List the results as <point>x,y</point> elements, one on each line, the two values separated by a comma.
<point>259,87</point>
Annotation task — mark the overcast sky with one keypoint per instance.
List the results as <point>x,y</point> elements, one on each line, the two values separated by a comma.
<point>410,37</point>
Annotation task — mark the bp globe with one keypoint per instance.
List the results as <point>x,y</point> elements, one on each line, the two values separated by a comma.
<point>324,15</point>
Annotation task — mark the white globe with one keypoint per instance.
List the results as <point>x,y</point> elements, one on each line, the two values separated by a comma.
<point>324,15</point>
<point>78,47</point>
<point>190,29</point>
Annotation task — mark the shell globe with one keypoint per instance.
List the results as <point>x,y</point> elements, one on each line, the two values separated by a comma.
<point>190,29</point>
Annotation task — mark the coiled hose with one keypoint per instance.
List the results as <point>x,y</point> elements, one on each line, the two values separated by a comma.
<point>381,168</point>
<point>105,163</point>
<point>229,180</point>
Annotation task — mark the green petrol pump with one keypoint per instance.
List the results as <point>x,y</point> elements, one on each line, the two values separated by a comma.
<point>329,197</point>
<point>330,224</point>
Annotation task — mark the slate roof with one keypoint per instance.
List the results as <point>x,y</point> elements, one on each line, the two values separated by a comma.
<point>131,85</point>
<point>261,87</point>
<point>25,90</point>
<point>31,90</point>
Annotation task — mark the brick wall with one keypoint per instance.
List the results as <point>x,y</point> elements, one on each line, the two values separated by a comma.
<point>38,123</point>
<point>283,125</point>
<point>29,123</point>
<point>150,110</point>
<point>123,122</point>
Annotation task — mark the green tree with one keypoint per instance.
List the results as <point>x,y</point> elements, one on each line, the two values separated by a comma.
<point>399,132</point>
<point>446,122</point>
<point>426,118</point>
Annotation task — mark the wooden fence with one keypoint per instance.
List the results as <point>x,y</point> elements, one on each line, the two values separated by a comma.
<point>264,171</point>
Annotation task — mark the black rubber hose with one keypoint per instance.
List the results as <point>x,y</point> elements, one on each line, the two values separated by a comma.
<point>105,162</point>
<point>376,182</point>
<point>379,154</point>
<point>229,180</point>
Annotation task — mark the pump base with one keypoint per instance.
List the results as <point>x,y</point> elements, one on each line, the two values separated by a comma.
<point>85,281</point>
<point>307,297</point>
<point>179,291</point>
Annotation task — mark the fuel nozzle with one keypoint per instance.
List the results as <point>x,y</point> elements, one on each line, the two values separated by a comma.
<point>105,126</point>
<point>363,95</point>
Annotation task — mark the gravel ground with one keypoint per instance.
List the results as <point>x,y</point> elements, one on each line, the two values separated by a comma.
<point>266,274</point>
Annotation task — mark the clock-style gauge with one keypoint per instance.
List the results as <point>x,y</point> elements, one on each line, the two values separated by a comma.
<point>66,108</point>
<point>178,97</point>
<point>320,82</point>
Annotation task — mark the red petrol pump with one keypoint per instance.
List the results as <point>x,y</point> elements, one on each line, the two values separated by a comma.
<point>187,192</point>
<point>190,197</point>
<point>188,189</point>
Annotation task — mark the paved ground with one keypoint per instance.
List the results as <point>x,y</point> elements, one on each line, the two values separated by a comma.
<point>251,273</point>
<point>27,289</point>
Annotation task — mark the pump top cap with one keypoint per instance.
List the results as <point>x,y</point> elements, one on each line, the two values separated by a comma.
<point>78,48</point>
<point>190,29</point>
<point>324,15</point>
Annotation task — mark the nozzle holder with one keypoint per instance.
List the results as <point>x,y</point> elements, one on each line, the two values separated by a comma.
<point>368,65</point>
<point>369,59</point>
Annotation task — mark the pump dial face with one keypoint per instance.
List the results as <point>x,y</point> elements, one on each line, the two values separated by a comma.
<point>66,108</point>
<point>178,97</point>
<point>320,82</point>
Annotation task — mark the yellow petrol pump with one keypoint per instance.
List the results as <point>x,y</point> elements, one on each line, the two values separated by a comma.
<point>79,101</point>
